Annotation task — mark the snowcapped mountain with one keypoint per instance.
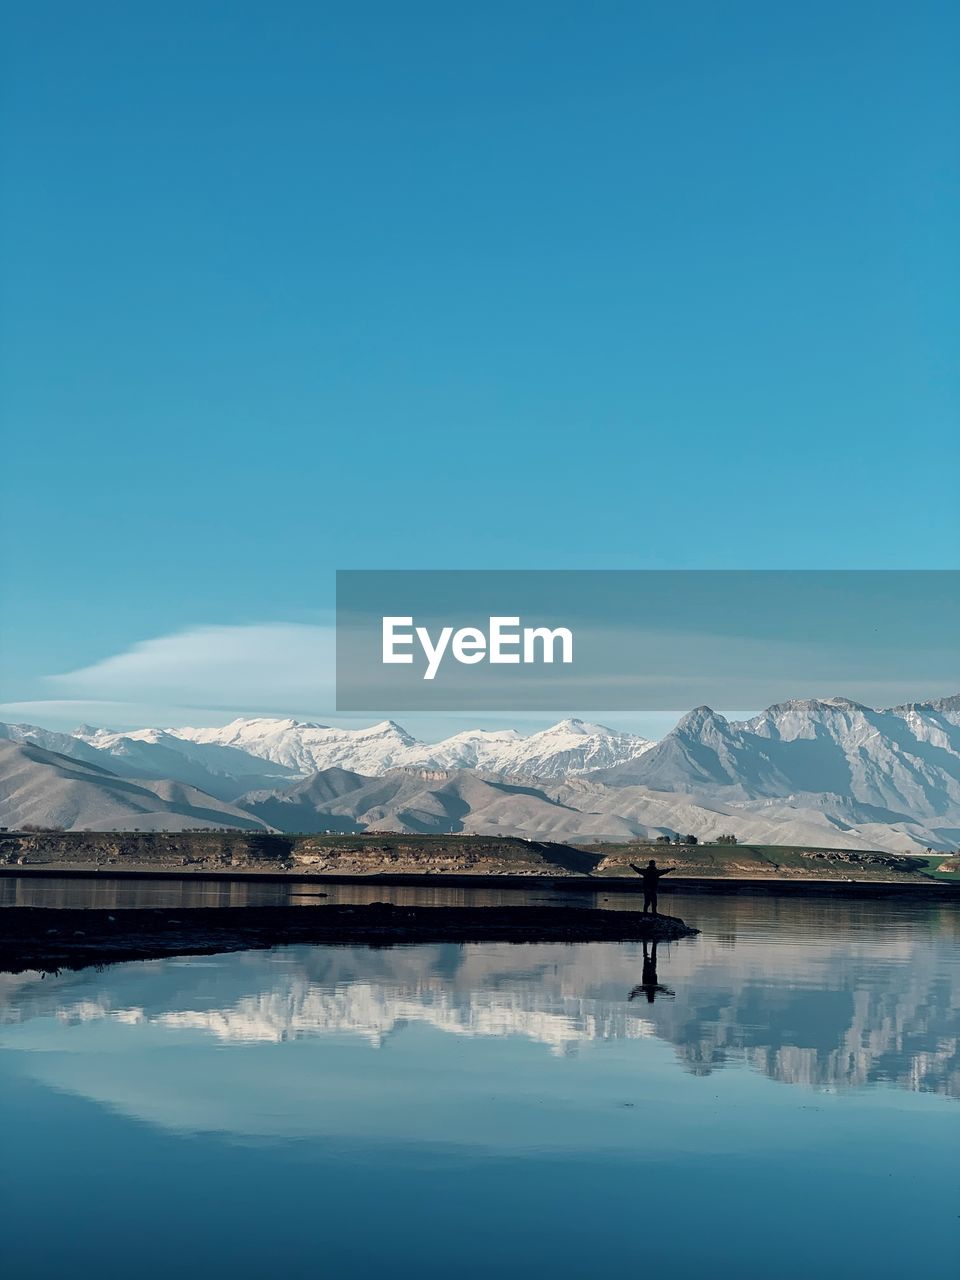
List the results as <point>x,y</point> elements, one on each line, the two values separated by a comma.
<point>570,747</point>
<point>889,766</point>
<point>472,749</point>
<point>256,756</point>
<point>65,744</point>
<point>304,747</point>
<point>222,771</point>
<point>829,772</point>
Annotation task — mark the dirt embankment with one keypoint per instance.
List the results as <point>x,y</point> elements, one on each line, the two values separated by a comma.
<point>254,851</point>
<point>234,853</point>
<point>49,939</point>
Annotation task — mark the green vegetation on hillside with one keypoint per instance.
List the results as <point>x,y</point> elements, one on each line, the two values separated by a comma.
<point>769,860</point>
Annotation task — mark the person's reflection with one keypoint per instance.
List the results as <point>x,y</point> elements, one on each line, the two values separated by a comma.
<point>649,986</point>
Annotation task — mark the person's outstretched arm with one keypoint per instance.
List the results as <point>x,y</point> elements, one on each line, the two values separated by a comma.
<point>636,869</point>
<point>665,871</point>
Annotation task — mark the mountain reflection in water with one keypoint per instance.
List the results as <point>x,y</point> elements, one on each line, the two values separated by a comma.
<point>824,995</point>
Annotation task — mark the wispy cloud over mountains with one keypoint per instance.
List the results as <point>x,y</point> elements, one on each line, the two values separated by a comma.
<point>287,663</point>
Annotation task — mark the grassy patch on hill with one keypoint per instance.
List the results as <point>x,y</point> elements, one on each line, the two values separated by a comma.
<point>934,864</point>
<point>768,860</point>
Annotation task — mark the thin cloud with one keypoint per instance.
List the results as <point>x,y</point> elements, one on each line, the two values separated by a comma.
<point>281,664</point>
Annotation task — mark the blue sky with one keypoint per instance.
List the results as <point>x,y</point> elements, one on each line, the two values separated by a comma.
<point>298,287</point>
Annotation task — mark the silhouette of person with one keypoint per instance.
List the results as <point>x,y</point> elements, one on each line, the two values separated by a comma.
<point>648,974</point>
<point>650,875</point>
<point>649,985</point>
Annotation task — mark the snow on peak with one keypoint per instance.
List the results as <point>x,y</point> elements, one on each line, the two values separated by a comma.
<point>570,747</point>
<point>386,729</point>
<point>567,748</point>
<point>582,728</point>
<point>306,747</point>
<point>904,761</point>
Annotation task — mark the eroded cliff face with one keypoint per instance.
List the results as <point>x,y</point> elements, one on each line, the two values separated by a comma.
<point>254,851</point>
<point>121,850</point>
<point>452,855</point>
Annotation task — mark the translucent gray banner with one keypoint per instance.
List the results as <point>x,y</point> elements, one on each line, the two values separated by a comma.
<point>652,640</point>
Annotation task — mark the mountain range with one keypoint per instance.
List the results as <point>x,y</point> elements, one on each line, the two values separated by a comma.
<point>826,772</point>
<point>570,747</point>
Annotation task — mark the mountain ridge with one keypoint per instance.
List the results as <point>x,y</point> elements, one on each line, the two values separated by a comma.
<point>822,771</point>
<point>903,760</point>
<point>302,747</point>
<point>44,788</point>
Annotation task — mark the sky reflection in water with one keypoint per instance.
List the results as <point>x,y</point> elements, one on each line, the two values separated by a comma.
<point>503,1107</point>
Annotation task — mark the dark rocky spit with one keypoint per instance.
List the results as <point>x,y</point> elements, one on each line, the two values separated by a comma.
<point>51,939</point>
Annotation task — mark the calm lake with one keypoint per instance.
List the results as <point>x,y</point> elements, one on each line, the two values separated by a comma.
<point>779,1096</point>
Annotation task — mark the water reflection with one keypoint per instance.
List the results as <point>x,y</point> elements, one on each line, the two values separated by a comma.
<point>179,892</point>
<point>497,1109</point>
<point>820,995</point>
<point>649,985</point>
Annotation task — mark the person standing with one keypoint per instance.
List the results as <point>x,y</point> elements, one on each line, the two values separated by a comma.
<point>650,875</point>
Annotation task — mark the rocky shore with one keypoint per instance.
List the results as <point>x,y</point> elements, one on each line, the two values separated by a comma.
<point>51,939</point>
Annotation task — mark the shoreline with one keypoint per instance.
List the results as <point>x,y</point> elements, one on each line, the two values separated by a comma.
<point>51,939</point>
<point>778,885</point>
